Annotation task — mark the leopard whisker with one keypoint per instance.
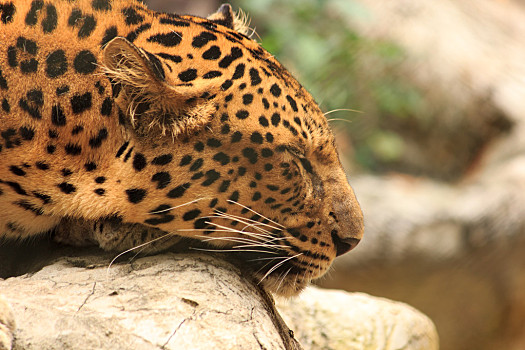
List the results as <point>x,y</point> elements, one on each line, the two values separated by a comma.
<point>177,34</point>
<point>270,258</point>
<point>343,109</point>
<point>178,206</point>
<point>273,246</point>
<point>261,240</point>
<point>253,211</point>
<point>222,215</point>
<point>231,250</point>
<point>231,239</point>
<point>242,240</point>
<point>340,120</point>
<point>276,266</point>
<point>248,233</point>
<point>283,277</point>
<point>134,248</point>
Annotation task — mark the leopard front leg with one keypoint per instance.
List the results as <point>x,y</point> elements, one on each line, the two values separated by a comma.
<point>112,235</point>
<point>7,325</point>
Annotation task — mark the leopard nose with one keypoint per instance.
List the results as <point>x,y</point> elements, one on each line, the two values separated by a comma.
<point>343,245</point>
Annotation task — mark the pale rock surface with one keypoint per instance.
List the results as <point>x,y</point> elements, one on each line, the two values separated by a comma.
<point>336,320</point>
<point>182,301</point>
<point>158,302</point>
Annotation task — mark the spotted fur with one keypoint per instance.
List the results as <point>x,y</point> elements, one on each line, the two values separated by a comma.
<point>132,126</point>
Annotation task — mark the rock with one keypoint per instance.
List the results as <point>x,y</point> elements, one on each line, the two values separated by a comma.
<point>183,301</point>
<point>167,301</point>
<point>7,325</point>
<point>336,320</point>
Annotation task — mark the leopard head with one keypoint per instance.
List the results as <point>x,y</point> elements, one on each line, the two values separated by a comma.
<point>238,153</point>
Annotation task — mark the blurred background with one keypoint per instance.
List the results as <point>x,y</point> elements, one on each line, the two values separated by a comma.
<point>427,99</point>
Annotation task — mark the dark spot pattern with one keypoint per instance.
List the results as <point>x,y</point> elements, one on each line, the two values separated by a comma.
<point>131,16</point>
<point>178,191</point>
<point>213,53</point>
<point>67,188</point>
<point>101,5</point>
<point>191,215</point>
<point>255,78</point>
<point>85,62</point>
<point>275,90</point>
<point>17,170</point>
<point>85,23</point>
<point>109,34</point>
<point>32,103</point>
<point>197,164</point>
<point>292,103</point>
<point>132,36</point>
<point>156,64</point>
<point>174,22</point>
<point>7,12</point>
<point>172,58</point>
<point>222,158</point>
<point>212,74</point>
<point>242,114</point>
<point>162,159</point>
<point>276,118</point>
<point>100,191</point>
<point>46,199</point>
<point>100,179</point>
<point>58,117</point>
<point>170,39</point>
<point>188,75</point>
<point>107,106</point>
<point>139,162</point>
<point>77,130</point>
<point>211,177</point>
<point>227,60</point>
<point>163,219</point>
<point>49,23</point>
<point>239,71</point>
<point>202,39</point>
<point>27,132</point>
<point>96,141</point>
<point>62,90</point>
<point>81,103</point>
<point>185,160</point>
<point>250,154</point>
<point>56,64</point>
<point>73,149</point>
<point>236,137</point>
<point>224,186</point>
<point>15,186</point>
<point>3,81</point>
<point>31,17</point>
<point>256,138</point>
<point>163,179</point>
<point>6,107</point>
<point>136,195</point>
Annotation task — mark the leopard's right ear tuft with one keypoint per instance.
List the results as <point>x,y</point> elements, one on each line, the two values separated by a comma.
<point>225,16</point>
<point>154,106</point>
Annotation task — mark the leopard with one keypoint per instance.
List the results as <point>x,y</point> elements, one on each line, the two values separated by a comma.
<point>125,127</point>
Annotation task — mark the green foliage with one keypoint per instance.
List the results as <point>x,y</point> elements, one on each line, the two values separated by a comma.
<point>342,69</point>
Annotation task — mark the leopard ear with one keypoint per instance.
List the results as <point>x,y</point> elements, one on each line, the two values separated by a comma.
<point>226,17</point>
<point>155,105</point>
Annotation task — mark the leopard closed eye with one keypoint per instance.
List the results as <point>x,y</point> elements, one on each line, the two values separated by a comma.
<point>164,125</point>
